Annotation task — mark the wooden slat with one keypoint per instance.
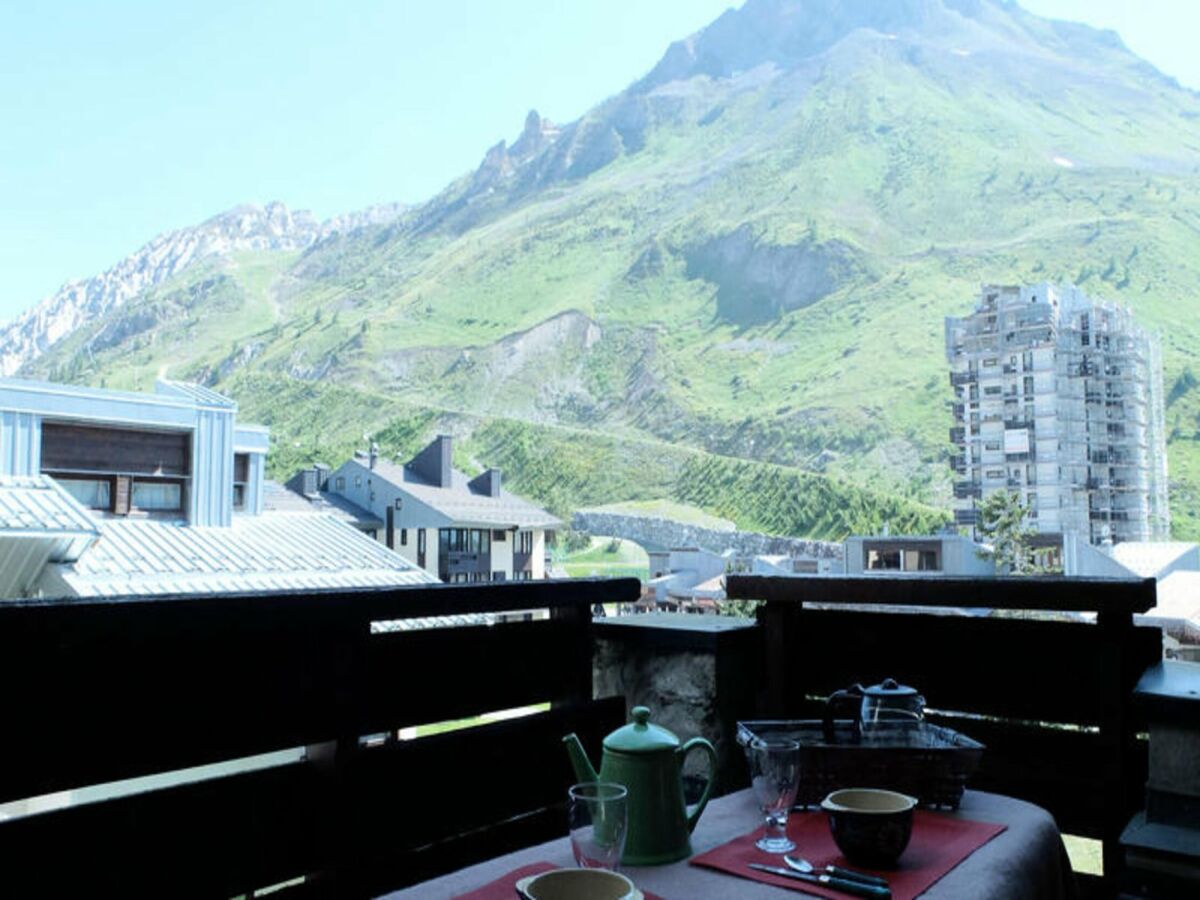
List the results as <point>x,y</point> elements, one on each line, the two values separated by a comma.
<point>103,692</point>
<point>85,448</point>
<point>181,682</point>
<point>467,671</point>
<point>430,805</point>
<point>212,839</point>
<point>1127,595</point>
<point>1013,668</point>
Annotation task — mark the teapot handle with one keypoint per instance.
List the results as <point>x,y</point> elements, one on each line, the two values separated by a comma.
<point>702,744</point>
<point>838,699</point>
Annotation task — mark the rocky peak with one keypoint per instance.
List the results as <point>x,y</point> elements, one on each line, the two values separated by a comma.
<point>246,227</point>
<point>785,33</point>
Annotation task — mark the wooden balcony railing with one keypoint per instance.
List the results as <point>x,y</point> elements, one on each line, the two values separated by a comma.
<point>1051,699</point>
<point>93,692</point>
<point>100,691</point>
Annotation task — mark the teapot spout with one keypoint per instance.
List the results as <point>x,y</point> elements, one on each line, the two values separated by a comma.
<point>579,761</point>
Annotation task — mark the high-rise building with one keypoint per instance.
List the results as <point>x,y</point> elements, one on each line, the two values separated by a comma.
<point>1058,397</point>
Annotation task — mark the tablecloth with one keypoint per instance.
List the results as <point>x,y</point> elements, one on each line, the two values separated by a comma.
<point>1026,862</point>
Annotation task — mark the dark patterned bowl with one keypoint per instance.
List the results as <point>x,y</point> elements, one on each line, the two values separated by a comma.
<point>871,827</point>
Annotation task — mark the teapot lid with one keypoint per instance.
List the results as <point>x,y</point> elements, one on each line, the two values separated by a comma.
<point>890,688</point>
<point>639,736</point>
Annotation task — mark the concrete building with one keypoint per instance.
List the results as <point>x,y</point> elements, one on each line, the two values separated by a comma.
<point>458,528</point>
<point>108,493</point>
<point>1058,397</point>
<point>935,554</point>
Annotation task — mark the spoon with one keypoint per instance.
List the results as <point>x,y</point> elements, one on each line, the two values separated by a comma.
<point>803,865</point>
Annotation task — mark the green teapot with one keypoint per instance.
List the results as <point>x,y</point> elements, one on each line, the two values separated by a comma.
<point>648,760</point>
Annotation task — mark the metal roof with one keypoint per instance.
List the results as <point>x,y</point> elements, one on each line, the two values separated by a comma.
<point>39,523</point>
<point>281,498</point>
<point>277,552</point>
<point>36,504</point>
<point>197,393</point>
<point>462,504</point>
<point>1149,558</point>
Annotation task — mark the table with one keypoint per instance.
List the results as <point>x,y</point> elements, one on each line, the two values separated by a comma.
<point>1026,861</point>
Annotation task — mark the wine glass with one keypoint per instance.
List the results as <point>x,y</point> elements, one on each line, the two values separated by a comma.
<point>597,816</point>
<point>775,776</point>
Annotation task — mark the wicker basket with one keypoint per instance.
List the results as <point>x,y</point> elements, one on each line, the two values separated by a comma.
<point>930,763</point>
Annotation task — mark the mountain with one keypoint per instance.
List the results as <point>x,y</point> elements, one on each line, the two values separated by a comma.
<point>249,227</point>
<point>725,281</point>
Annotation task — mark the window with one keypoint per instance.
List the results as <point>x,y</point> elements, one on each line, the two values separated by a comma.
<point>498,576</point>
<point>340,484</point>
<point>157,495</point>
<point>241,475</point>
<point>994,473</point>
<point>403,537</point>
<point>525,542</point>
<point>358,481</point>
<point>883,559</point>
<point>399,504</point>
<point>991,445</point>
<point>989,362</point>
<point>992,391</point>
<point>94,493</point>
<point>499,535</point>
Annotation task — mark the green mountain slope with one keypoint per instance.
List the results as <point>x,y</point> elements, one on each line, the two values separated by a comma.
<point>746,255</point>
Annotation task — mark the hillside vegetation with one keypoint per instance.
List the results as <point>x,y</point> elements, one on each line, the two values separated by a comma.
<point>726,285</point>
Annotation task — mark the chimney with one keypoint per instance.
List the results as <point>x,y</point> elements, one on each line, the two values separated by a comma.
<point>433,463</point>
<point>487,484</point>
<point>373,455</point>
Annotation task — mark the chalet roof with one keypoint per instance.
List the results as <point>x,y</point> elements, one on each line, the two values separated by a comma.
<point>277,552</point>
<point>281,498</point>
<point>460,502</point>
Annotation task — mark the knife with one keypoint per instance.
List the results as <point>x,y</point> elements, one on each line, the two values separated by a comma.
<point>856,888</point>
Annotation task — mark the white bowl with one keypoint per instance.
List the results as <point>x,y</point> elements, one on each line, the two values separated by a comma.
<point>578,884</point>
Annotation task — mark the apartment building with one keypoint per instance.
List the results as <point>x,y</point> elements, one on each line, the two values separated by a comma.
<point>108,492</point>
<point>1058,397</point>
<point>459,528</point>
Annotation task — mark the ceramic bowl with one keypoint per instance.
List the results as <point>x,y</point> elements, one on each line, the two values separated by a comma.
<point>578,884</point>
<point>871,827</point>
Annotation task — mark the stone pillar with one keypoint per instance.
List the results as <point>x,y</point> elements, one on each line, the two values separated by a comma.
<point>696,673</point>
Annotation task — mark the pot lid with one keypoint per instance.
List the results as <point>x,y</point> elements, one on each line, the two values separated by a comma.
<point>639,736</point>
<point>890,688</point>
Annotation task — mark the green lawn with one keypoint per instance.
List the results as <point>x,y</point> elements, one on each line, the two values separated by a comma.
<point>603,557</point>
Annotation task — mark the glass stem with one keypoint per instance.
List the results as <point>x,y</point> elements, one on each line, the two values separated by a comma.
<point>776,826</point>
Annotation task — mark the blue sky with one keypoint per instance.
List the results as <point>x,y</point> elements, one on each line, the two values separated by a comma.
<point>125,119</point>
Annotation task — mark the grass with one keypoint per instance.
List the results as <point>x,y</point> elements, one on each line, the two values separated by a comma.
<point>937,172</point>
<point>609,557</point>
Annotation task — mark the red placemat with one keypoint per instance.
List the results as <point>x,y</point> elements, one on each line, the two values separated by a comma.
<point>505,887</point>
<point>939,843</point>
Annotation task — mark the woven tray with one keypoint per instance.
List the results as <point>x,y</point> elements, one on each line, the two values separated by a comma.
<point>930,763</point>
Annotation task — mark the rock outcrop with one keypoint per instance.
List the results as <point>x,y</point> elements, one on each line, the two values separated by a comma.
<point>248,227</point>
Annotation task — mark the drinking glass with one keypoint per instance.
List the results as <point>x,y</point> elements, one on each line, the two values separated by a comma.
<point>775,775</point>
<point>597,817</point>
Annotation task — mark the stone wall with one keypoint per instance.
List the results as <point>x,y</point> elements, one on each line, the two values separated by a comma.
<point>656,533</point>
<point>695,673</point>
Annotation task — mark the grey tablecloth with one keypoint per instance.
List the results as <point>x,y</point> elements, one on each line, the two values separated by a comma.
<point>1025,862</point>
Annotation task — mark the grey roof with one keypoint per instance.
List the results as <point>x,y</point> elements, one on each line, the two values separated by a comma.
<point>197,393</point>
<point>281,498</point>
<point>1149,558</point>
<point>461,503</point>
<point>278,552</point>
<point>36,504</point>
<point>39,523</point>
